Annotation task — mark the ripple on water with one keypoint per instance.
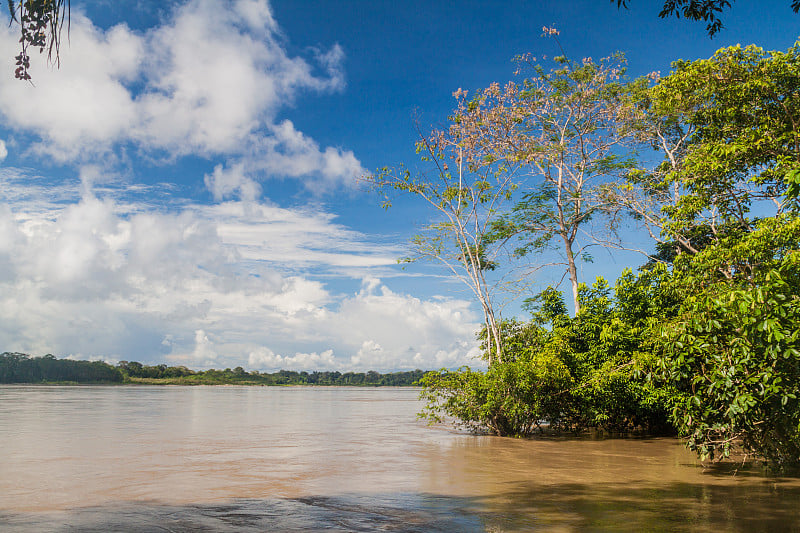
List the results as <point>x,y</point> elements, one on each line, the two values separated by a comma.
<point>400,512</point>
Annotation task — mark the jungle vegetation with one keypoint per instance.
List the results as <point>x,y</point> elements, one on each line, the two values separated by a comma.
<point>703,338</point>
<point>21,368</point>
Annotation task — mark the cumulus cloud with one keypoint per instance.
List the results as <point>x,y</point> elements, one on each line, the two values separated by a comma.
<point>203,349</point>
<point>226,182</point>
<point>210,81</point>
<point>369,351</point>
<point>388,328</point>
<point>92,267</point>
<point>10,239</point>
<point>291,153</point>
<point>265,359</point>
<point>208,286</point>
<point>84,106</point>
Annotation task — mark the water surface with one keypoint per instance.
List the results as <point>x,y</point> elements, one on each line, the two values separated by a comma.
<point>341,459</point>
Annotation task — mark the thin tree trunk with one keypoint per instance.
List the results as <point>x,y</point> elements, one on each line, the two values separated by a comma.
<point>498,343</point>
<point>494,343</point>
<point>568,239</point>
<point>573,273</point>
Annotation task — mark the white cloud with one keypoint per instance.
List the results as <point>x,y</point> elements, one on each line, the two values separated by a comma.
<point>210,81</point>
<point>302,237</point>
<point>206,286</point>
<point>91,267</point>
<point>370,351</point>
<point>203,349</point>
<point>332,62</point>
<point>223,183</point>
<point>257,16</point>
<point>288,152</point>
<point>10,239</point>
<point>390,330</point>
<point>3,150</point>
<point>84,106</point>
<point>265,359</point>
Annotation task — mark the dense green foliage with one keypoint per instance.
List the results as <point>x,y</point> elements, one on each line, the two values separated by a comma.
<point>21,368</point>
<point>578,373</point>
<point>734,357</point>
<point>732,353</point>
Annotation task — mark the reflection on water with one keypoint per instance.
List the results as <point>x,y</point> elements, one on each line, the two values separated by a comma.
<point>257,459</point>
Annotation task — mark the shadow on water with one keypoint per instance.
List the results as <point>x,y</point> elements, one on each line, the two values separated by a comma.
<point>748,469</point>
<point>402,512</point>
<point>536,506</point>
<point>670,507</point>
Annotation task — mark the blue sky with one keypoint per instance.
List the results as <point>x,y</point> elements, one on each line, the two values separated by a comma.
<point>183,189</point>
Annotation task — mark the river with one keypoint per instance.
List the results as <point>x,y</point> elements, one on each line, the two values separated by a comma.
<point>135,458</point>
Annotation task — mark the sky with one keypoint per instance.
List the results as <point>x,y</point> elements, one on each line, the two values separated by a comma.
<point>184,188</point>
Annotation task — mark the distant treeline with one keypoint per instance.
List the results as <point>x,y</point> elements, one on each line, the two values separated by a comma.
<point>21,368</point>
<point>139,373</point>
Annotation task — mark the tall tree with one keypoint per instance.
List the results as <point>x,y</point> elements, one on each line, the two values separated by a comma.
<point>468,188</point>
<point>733,352</point>
<point>569,137</point>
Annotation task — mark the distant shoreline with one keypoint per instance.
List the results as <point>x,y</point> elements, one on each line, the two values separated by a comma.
<point>167,383</point>
<point>20,368</point>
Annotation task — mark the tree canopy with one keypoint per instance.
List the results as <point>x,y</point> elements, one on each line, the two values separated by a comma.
<point>22,368</point>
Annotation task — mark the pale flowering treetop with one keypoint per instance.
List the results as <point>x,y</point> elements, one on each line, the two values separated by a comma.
<point>563,131</point>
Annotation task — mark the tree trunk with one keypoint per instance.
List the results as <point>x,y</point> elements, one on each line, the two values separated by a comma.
<point>573,273</point>
<point>494,343</point>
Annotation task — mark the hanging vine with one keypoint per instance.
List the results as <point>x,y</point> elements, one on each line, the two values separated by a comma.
<point>41,23</point>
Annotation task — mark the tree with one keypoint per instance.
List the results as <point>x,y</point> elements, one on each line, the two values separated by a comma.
<point>568,136</point>
<point>729,130</point>
<point>734,355</point>
<point>732,352</point>
<point>468,187</point>
<point>21,368</point>
<point>706,341</point>
<point>706,10</point>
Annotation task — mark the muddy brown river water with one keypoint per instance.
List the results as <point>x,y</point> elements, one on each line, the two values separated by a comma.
<point>341,459</point>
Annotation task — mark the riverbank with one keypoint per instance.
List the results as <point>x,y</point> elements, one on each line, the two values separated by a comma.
<point>188,382</point>
<point>22,368</point>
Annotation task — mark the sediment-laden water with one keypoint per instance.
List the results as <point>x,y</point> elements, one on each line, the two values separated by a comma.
<point>341,459</point>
